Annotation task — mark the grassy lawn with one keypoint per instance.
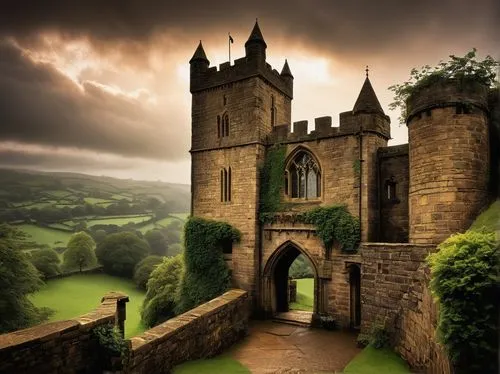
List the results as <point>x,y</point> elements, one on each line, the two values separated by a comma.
<point>489,219</point>
<point>305,295</point>
<point>217,365</point>
<point>44,235</point>
<point>182,216</point>
<point>374,361</point>
<point>79,294</point>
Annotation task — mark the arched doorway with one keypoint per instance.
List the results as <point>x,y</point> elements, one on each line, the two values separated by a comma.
<point>355,295</point>
<point>276,279</point>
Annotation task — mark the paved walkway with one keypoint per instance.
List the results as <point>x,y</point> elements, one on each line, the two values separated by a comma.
<point>273,347</point>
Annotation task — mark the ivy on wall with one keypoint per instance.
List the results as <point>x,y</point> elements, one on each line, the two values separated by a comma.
<point>465,277</point>
<point>206,274</point>
<point>335,223</point>
<point>271,177</point>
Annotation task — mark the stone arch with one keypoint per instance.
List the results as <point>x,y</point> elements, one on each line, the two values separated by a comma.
<point>275,278</point>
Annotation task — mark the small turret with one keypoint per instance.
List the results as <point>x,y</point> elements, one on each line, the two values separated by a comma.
<point>199,62</point>
<point>255,47</point>
<point>367,101</point>
<point>286,75</point>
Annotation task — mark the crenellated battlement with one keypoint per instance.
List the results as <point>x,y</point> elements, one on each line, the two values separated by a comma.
<point>240,70</point>
<point>349,124</point>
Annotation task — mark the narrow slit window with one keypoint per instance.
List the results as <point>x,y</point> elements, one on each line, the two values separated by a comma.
<point>218,127</point>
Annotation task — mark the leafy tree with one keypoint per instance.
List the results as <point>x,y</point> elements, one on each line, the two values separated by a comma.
<point>46,261</point>
<point>80,252</point>
<point>143,270</point>
<point>119,253</point>
<point>465,278</point>
<point>175,249</point>
<point>18,278</point>
<point>157,242</point>
<point>301,268</point>
<point>206,275</point>
<point>457,68</point>
<point>162,291</point>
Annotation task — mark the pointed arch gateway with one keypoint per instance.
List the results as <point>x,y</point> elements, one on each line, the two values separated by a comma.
<point>275,279</point>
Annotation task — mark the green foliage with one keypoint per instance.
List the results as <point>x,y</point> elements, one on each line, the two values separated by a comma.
<point>143,270</point>
<point>301,268</point>
<point>465,277</point>
<point>206,275</point>
<point>356,167</point>
<point>162,291</point>
<point>335,223</point>
<point>457,68</point>
<point>18,279</point>
<point>119,253</point>
<point>157,242</point>
<point>111,345</point>
<point>46,261</point>
<point>379,337</point>
<point>80,252</point>
<point>271,177</point>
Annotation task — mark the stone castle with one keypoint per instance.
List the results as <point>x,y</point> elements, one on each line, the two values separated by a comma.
<point>415,194</point>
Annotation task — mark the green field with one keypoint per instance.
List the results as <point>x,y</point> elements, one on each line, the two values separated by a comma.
<point>305,295</point>
<point>159,224</point>
<point>117,220</point>
<point>217,365</point>
<point>79,294</point>
<point>183,216</point>
<point>44,235</point>
<point>375,361</point>
<point>95,200</point>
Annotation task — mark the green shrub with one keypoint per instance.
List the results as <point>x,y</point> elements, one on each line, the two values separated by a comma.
<point>112,345</point>
<point>464,277</point>
<point>162,291</point>
<point>379,337</point>
<point>301,268</point>
<point>335,223</point>
<point>143,270</point>
<point>206,275</point>
<point>46,261</point>
<point>119,253</point>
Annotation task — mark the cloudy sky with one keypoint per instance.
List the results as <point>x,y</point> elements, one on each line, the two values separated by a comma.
<point>102,86</point>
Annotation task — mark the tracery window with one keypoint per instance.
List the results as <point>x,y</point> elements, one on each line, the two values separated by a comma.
<point>303,177</point>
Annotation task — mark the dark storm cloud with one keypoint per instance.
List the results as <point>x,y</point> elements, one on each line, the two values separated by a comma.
<point>339,26</point>
<point>39,105</point>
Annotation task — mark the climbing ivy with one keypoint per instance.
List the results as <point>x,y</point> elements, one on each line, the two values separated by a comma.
<point>461,69</point>
<point>335,223</point>
<point>206,274</point>
<point>465,277</point>
<point>271,176</point>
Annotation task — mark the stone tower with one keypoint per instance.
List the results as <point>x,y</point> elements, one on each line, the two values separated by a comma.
<point>234,109</point>
<point>449,158</point>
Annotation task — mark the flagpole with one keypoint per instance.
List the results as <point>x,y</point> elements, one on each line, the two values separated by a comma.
<point>229,44</point>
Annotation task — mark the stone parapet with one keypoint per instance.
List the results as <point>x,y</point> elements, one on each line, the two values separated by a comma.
<point>63,346</point>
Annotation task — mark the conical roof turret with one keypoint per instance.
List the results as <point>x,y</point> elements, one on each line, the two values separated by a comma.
<point>256,36</point>
<point>285,72</point>
<point>367,101</point>
<point>199,54</point>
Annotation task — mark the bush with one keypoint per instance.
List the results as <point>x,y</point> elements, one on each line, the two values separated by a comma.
<point>46,261</point>
<point>112,345</point>
<point>157,242</point>
<point>301,268</point>
<point>119,253</point>
<point>143,270</point>
<point>206,275</point>
<point>162,291</point>
<point>80,252</point>
<point>465,278</point>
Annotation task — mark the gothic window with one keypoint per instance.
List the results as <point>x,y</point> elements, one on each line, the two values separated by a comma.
<point>303,177</point>
<point>273,111</point>
<point>226,125</point>
<point>224,99</point>
<point>218,127</point>
<point>225,184</point>
<point>222,126</point>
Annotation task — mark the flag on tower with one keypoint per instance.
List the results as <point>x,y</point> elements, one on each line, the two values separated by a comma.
<point>230,38</point>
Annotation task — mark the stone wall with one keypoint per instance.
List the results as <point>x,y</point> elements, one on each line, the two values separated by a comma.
<point>393,169</point>
<point>200,333</point>
<point>63,346</point>
<point>395,293</point>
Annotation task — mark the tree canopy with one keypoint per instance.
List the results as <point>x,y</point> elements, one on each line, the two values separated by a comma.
<point>119,253</point>
<point>80,252</point>
<point>46,261</point>
<point>143,270</point>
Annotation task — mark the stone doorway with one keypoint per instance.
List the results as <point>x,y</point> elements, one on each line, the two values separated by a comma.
<point>276,297</point>
<point>355,295</point>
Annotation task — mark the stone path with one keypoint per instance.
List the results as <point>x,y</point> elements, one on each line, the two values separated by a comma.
<point>297,317</point>
<point>273,347</point>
